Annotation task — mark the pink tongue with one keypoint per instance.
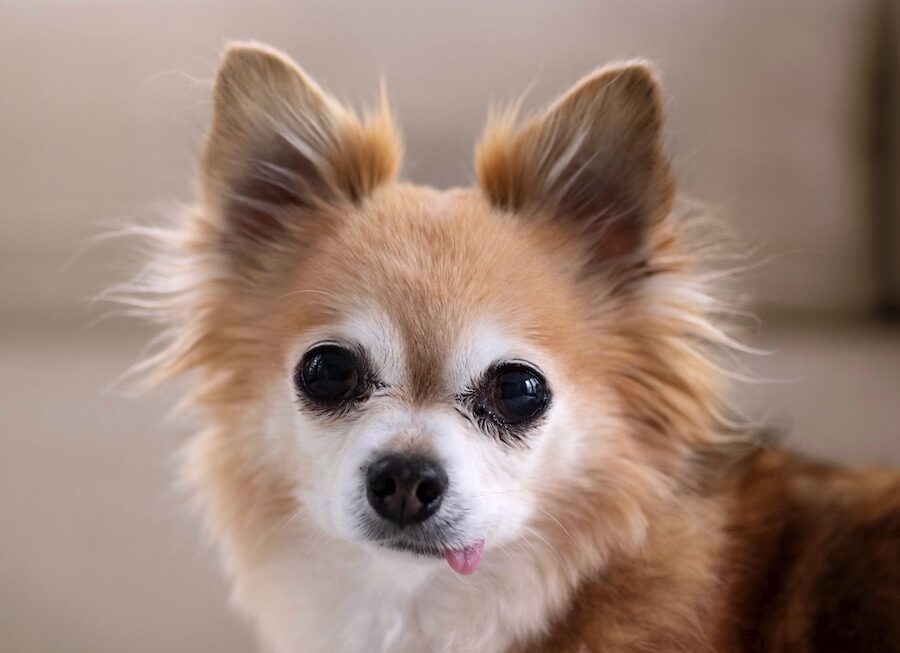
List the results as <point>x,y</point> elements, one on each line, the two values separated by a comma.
<point>465,561</point>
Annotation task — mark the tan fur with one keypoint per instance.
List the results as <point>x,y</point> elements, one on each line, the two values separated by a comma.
<point>664,538</point>
<point>594,158</point>
<point>354,156</point>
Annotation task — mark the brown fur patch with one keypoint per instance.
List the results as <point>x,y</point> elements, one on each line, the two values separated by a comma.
<point>783,556</point>
<point>815,558</point>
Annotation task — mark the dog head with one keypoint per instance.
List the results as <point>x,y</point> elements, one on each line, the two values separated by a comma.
<point>429,371</point>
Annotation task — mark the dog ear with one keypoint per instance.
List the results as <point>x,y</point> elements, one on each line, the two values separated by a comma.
<point>279,145</point>
<point>594,159</point>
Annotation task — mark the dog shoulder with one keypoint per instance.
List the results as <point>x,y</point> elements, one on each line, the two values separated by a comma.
<point>782,556</point>
<point>815,561</point>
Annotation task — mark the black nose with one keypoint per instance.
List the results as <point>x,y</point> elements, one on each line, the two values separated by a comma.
<point>405,489</point>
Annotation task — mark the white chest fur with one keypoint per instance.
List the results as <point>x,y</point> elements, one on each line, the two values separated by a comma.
<point>336,598</point>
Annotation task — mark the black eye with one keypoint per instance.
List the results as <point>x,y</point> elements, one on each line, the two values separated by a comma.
<point>329,374</point>
<point>518,394</point>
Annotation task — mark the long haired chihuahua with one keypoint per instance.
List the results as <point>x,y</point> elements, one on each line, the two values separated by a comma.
<point>490,419</point>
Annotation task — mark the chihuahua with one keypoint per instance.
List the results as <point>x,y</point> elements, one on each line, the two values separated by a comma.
<point>490,419</point>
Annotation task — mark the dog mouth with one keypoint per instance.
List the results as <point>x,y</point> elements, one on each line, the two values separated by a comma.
<point>440,537</point>
<point>463,560</point>
<point>462,554</point>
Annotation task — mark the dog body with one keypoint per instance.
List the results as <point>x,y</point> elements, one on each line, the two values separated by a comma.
<point>514,381</point>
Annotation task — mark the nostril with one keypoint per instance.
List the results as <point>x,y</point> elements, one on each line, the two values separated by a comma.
<point>384,486</point>
<point>382,477</point>
<point>429,490</point>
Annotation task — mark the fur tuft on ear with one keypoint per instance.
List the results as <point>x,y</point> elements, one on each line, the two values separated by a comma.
<point>593,159</point>
<point>278,142</point>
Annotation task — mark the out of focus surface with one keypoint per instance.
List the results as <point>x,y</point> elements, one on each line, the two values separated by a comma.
<point>784,118</point>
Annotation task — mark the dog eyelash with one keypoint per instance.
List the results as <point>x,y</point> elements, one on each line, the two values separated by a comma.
<point>478,414</point>
<point>333,412</point>
<point>373,389</point>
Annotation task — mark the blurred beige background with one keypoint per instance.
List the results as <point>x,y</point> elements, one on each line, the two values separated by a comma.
<point>783,116</point>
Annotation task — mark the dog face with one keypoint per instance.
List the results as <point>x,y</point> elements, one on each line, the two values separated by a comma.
<point>427,371</point>
<point>428,374</point>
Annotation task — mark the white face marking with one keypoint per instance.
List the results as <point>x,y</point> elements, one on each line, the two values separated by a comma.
<point>490,494</point>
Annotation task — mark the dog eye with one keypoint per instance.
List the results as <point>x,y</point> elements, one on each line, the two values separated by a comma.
<point>329,374</point>
<point>518,394</point>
